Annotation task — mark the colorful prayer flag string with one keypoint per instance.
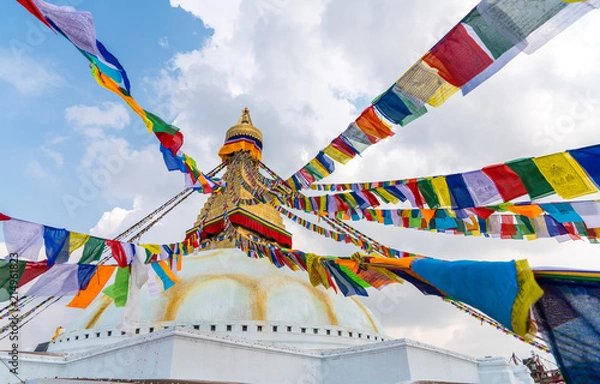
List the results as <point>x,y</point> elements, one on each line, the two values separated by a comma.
<point>481,44</point>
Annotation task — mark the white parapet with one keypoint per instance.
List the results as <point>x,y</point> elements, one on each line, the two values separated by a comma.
<point>184,353</point>
<point>496,370</point>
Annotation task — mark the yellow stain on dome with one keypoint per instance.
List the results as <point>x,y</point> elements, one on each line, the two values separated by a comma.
<point>180,291</point>
<point>258,288</point>
<point>105,301</point>
<point>317,294</point>
<point>366,312</point>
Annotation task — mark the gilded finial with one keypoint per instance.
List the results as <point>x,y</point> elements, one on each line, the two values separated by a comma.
<point>245,118</point>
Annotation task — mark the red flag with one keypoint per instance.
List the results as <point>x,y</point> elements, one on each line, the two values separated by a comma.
<point>371,198</point>
<point>508,182</point>
<point>3,217</point>
<point>33,270</point>
<point>483,212</point>
<point>34,10</point>
<point>412,185</point>
<point>118,252</point>
<point>172,142</point>
<point>458,57</point>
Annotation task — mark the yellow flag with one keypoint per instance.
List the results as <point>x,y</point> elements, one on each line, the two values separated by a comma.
<point>441,189</point>
<point>153,248</point>
<point>320,168</point>
<point>316,272</point>
<point>336,154</point>
<point>442,94</point>
<point>565,175</point>
<point>419,81</point>
<point>112,86</point>
<point>77,240</point>
<point>387,196</point>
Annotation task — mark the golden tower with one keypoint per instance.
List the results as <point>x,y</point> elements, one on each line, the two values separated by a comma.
<point>238,201</point>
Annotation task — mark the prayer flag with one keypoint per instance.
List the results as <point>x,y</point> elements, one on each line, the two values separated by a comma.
<point>531,177</point>
<point>461,198</point>
<point>504,291</point>
<point>568,317</point>
<point>57,245</point>
<point>428,193</point>
<point>118,291</point>
<point>441,189</point>
<point>482,188</point>
<point>457,57</point>
<point>562,212</point>
<point>508,183</point>
<point>589,212</point>
<point>76,241</point>
<point>23,238</point>
<point>59,280</point>
<point>92,251</point>
<point>34,10</point>
<point>516,19</point>
<point>11,271</point>
<point>85,297</point>
<point>118,253</point>
<point>33,270</point>
<point>336,154</point>
<point>372,125</point>
<point>84,275</point>
<point>491,38</point>
<point>565,175</point>
<point>589,159</point>
<point>162,270</point>
<point>77,26</point>
<point>357,139</point>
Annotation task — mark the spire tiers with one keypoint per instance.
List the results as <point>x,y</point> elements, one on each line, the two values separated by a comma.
<point>256,221</point>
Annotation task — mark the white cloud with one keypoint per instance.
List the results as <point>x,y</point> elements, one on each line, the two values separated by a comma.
<point>163,42</point>
<point>25,74</point>
<point>94,120</point>
<point>136,182</point>
<point>55,156</point>
<point>109,224</point>
<point>220,15</point>
<point>37,170</point>
<point>306,69</point>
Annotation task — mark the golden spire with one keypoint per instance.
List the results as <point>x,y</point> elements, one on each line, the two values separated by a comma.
<point>253,220</point>
<point>242,137</point>
<point>244,127</point>
<point>245,118</point>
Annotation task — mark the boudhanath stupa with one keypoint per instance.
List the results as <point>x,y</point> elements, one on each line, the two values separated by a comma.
<point>234,319</point>
<point>235,302</point>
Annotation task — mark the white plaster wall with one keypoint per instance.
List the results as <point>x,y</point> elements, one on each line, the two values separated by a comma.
<point>386,366</point>
<point>32,366</point>
<point>430,363</point>
<point>219,361</point>
<point>192,355</point>
<point>145,358</point>
<point>496,370</point>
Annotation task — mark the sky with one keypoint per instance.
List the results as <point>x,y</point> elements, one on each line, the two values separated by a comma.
<point>75,157</point>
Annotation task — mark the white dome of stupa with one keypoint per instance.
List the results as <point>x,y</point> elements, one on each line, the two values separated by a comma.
<point>223,290</point>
